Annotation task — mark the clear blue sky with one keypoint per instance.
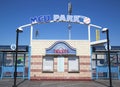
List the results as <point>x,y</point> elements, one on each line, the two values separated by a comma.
<point>14,13</point>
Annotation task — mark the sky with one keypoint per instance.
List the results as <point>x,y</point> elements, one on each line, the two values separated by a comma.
<point>15,13</point>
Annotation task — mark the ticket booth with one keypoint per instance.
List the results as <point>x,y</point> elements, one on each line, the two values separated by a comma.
<point>60,60</point>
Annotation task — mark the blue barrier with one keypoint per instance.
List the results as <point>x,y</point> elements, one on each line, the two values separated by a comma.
<point>10,69</point>
<point>103,72</point>
<point>7,69</point>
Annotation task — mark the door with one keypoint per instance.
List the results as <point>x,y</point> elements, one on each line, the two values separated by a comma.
<point>60,65</point>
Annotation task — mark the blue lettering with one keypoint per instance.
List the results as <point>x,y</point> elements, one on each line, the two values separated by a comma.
<point>41,18</point>
<point>47,18</point>
<point>34,19</point>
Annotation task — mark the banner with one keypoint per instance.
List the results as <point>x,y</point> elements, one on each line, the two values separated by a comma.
<point>97,34</point>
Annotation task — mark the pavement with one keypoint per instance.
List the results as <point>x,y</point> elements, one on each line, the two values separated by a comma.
<point>29,83</point>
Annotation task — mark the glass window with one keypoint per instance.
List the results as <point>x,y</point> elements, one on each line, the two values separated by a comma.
<point>20,60</point>
<point>1,59</point>
<point>8,59</point>
<point>100,56</point>
<point>113,59</point>
<point>93,56</point>
<point>73,64</point>
<point>118,58</point>
<point>93,64</point>
<point>101,60</point>
<point>48,64</point>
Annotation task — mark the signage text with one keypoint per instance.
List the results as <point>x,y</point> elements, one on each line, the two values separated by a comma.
<point>61,18</point>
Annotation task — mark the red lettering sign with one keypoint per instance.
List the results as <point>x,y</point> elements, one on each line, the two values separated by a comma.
<point>60,51</point>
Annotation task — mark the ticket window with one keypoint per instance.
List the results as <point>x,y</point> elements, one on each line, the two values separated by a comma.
<point>73,64</point>
<point>48,64</point>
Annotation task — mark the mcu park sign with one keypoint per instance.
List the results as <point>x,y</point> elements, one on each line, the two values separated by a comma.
<point>60,18</point>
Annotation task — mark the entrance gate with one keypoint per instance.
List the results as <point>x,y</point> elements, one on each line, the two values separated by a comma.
<point>61,18</point>
<point>100,69</point>
<point>7,61</point>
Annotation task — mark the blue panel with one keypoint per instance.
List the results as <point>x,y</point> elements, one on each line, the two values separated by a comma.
<point>29,62</point>
<point>20,69</point>
<point>105,70</point>
<point>7,48</point>
<point>8,69</point>
<point>102,68</point>
<point>102,48</point>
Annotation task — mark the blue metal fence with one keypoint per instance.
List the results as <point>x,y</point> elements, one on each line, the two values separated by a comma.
<point>102,72</point>
<point>10,70</point>
<point>7,61</point>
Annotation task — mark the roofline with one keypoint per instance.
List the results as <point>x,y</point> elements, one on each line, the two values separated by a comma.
<point>99,42</point>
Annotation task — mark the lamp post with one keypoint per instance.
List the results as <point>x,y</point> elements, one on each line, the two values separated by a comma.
<point>69,13</point>
<point>15,72</point>
<point>105,30</point>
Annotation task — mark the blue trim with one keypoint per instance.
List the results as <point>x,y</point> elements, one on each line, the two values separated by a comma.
<point>102,48</point>
<point>119,72</point>
<point>1,53</point>
<point>7,48</point>
<point>91,61</point>
<point>29,61</point>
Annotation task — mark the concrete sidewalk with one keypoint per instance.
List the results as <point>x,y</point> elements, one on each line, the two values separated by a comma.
<point>27,83</point>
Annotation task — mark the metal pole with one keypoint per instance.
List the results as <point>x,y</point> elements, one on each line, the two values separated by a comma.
<point>69,13</point>
<point>69,28</point>
<point>31,34</point>
<point>15,72</point>
<point>89,33</point>
<point>110,78</point>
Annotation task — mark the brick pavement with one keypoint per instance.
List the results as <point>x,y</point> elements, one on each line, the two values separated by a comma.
<point>27,83</point>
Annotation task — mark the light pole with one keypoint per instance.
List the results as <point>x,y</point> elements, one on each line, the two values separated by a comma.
<point>15,71</point>
<point>69,13</point>
<point>105,30</point>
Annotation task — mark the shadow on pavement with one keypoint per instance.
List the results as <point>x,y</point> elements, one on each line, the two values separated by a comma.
<point>101,83</point>
<point>21,82</point>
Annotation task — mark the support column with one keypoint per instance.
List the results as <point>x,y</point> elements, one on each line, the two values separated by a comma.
<point>89,32</point>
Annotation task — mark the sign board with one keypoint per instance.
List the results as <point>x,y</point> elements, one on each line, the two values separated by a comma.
<point>61,18</point>
<point>61,48</point>
<point>12,47</point>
